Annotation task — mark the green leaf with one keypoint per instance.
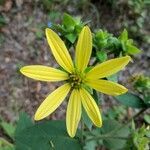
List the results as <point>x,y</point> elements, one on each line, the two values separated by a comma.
<point>113,78</point>
<point>91,145</point>
<point>102,56</point>
<point>45,135</point>
<point>24,122</point>
<point>86,119</point>
<point>114,143</point>
<point>124,35</point>
<point>68,22</point>
<point>132,49</point>
<point>71,37</point>
<point>147,118</point>
<point>147,100</point>
<point>131,100</point>
<point>5,145</point>
<point>8,128</point>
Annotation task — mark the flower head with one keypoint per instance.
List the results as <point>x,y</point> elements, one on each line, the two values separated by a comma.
<point>76,79</point>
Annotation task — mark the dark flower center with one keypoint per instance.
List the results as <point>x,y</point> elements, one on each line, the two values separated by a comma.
<point>75,81</point>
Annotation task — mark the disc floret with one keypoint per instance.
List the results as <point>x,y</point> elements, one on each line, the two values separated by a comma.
<point>75,80</point>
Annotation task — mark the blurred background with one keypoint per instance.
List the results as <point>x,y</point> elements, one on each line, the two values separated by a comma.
<point>22,42</point>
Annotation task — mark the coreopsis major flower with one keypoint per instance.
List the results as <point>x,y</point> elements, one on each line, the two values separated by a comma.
<point>76,79</point>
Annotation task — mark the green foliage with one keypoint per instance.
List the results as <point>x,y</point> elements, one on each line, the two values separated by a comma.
<point>138,139</point>
<point>101,39</point>
<point>147,118</point>
<point>127,44</point>
<point>69,29</point>
<point>5,145</point>
<point>131,100</point>
<point>114,143</point>
<point>86,120</point>
<point>116,113</point>
<point>45,135</point>
<point>141,84</point>
<point>105,136</point>
<point>104,43</point>
<point>9,130</point>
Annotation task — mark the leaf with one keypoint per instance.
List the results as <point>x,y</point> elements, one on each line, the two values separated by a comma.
<point>147,118</point>
<point>102,56</point>
<point>8,128</point>
<point>68,22</point>
<point>5,145</point>
<point>114,143</point>
<point>113,78</point>
<point>86,119</point>
<point>45,135</point>
<point>24,122</point>
<point>132,49</point>
<point>91,145</point>
<point>71,37</point>
<point>131,100</point>
<point>124,35</point>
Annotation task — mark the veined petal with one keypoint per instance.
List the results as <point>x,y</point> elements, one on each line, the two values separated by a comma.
<point>83,49</point>
<point>107,87</point>
<point>91,107</point>
<point>43,73</point>
<point>59,50</point>
<point>108,68</point>
<point>51,103</point>
<point>73,112</point>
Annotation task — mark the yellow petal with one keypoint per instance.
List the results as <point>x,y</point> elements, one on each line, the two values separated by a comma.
<point>59,50</point>
<point>107,87</point>
<point>43,73</point>
<point>73,112</point>
<point>83,49</point>
<point>108,68</point>
<point>91,107</point>
<point>51,103</point>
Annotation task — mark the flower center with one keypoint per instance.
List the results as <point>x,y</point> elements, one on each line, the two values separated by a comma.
<point>75,81</point>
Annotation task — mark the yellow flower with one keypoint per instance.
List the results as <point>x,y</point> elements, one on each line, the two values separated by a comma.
<point>76,79</point>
